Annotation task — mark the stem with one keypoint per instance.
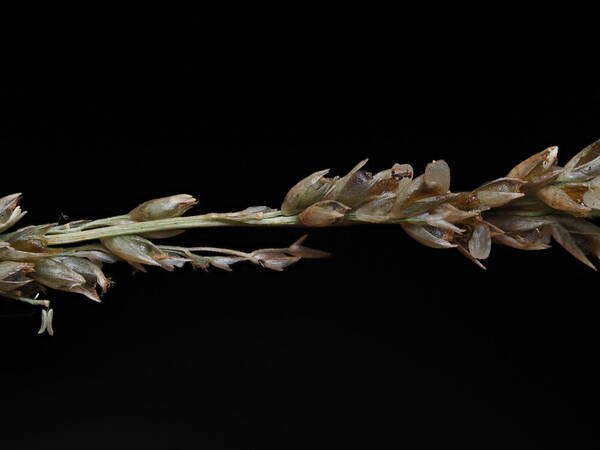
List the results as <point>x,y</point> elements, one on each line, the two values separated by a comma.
<point>89,225</point>
<point>270,219</point>
<point>31,301</point>
<point>273,218</point>
<point>224,251</point>
<point>176,223</point>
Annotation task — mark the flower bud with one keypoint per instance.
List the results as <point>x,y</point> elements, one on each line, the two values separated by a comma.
<point>437,177</point>
<point>7,252</point>
<point>10,213</point>
<point>275,260</point>
<point>408,191</point>
<point>306,192</point>
<point>430,187</point>
<point>445,216</point>
<point>567,198</point>
<point>591,197</point>
<point>56,275</point>
<point>521,232</point>
<point>429,236</point>
<point>576,226</point>
<point>397,172</point>
<point>567,241</point>
<point>29,239</point>
<point>135,250</point>
<point>539,181</point>
<point>377,208</point>
<point>527,240</point>
<point>324,213</point>
<point>467,201</point>
<point>386,185</point>
<point>516,223</point>
<point>97,256</point>
<point>583,166</point>
<point>480,243</point>
<point>505,184</point>
<point>353,187</point>
<point>499,192</point>
<point>415,208</point>
<point>355,190</point>
<point>535,165</point>
<point>221,262</point>
<point>13,275</point>
<point>92,272</point>
<point>585,234</point>
<point>163,208</point>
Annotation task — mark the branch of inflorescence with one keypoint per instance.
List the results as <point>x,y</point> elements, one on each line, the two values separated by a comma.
<point>104,228</point>
<point>59,236</point>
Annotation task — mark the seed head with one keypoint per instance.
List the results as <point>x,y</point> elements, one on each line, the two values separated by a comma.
<point>352,188</point>
<point>138,251</point>
<point>535,165</point>
<point>323,213</point>
<point>163,208</point>
<point>13,275</point>
<point>10,213</point>
<point>584,166</point>
<point>306,192</point>
<point>54,274</point>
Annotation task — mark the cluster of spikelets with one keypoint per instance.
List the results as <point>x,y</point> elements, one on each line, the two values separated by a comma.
<point>537,201</point>
<point>28,266</point>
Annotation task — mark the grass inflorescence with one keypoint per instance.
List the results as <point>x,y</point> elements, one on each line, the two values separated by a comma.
<point>537,201</point>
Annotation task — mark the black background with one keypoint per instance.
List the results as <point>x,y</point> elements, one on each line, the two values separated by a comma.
<point>385,343</point>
